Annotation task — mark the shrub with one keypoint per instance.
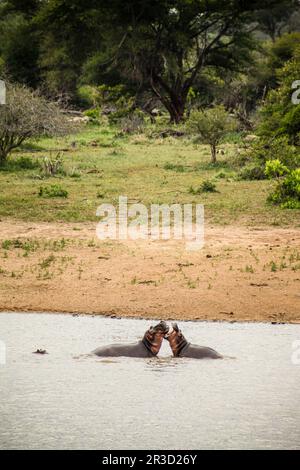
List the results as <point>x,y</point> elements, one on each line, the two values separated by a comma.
<point>275,169</point>
<point>287,191</point>
<point>22,163</point>
<point>252,172</point>
<point>206,186</point>
<point>93,115</point>
<point>268,150</point>
<point>53,191</point>
<point>133,123</point>
<point>26,114</point>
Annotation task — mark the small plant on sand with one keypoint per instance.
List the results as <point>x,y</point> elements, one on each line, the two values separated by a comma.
<point>273,267</point>
<point>46,263</point>
<point>249,269</point>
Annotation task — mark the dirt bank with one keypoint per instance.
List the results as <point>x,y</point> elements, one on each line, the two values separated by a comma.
<point>240,275</point>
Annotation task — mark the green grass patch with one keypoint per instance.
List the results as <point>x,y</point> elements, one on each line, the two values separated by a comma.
<point>102,165</point>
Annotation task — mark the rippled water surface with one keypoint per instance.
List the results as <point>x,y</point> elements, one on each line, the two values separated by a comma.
<point>67,400</point>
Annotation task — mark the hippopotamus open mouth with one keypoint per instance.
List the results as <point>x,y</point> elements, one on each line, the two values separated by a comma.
<point>163,327</point>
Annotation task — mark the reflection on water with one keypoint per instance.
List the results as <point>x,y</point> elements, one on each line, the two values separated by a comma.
<point>70,399</point>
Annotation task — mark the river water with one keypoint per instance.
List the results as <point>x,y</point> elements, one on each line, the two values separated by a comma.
<point>69,400</point>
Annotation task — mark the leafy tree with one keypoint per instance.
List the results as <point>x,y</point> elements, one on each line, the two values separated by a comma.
<point>210,126</point>
<point>284,49</point>
<point>167,44</point>
<point>280,115</point>
<point>25,115</point>
<point>273,20</point>
<point>19,48</point>
<point>70,31</point>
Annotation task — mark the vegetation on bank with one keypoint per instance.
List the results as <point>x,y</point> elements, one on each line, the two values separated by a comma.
<point>101,163</point>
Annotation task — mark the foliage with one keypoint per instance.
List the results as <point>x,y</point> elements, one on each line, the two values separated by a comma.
<point>93,115</point>
<point>266,150</point>
<point>280,115</point>
<point>174,52</point>
<point>275,169</point>
<point>210,126</point>
<point>207,186</point>
<point>275,19</point>
<point>53,190</point>
<point>287,191</point>
<point>19,48</point>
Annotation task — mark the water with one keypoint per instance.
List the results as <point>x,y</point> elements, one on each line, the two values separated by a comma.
<point>64,400</point>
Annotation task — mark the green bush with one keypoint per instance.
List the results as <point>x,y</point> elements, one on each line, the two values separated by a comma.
<point>207,186</point>
<point>275,169</point>
<point>22,163</point>
<point>53,191</point>
<point>252,172</point>
<point>87,95</point>
<point>290,123</point>
<point>26,163</point>
<point>260,153</point>
<point>279,115</point>
<point>93,115</point>
<point>287,191</point>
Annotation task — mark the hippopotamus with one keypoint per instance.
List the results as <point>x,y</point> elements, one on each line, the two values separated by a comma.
<point>40,351</point>
<point>181,348</point>
<point>149,346</point>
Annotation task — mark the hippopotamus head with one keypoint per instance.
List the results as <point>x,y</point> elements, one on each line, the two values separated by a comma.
<point>153,337</point>
<point>176,339</point>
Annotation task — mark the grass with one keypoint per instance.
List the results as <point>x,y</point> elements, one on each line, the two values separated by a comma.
<point>104,165</point>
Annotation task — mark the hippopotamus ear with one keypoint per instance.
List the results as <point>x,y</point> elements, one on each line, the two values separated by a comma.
<point>175,326</point>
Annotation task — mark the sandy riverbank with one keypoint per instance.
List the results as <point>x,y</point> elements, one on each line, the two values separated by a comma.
<point>240,275</point>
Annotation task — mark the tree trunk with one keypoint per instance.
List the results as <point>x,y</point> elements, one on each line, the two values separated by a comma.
<point>173,99</point>
<point>3,156</point>
<point>176,110</point>
<point>213,150</point>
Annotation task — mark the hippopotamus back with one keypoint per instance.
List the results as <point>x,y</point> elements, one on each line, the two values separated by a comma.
<point>128,350</point>
<point>200,352</point>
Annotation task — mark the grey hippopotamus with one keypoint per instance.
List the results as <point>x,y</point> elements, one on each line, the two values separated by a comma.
<point>182,348</point>
<point>146,347</point>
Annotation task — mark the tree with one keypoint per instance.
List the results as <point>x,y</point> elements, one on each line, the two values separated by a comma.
<point>210,126</point>
<point>273,21</point>
<point>280,113</point>
<point>70,32</point>
<point>166,44</point>
<point>19,48</point>
<point>25,115</point>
